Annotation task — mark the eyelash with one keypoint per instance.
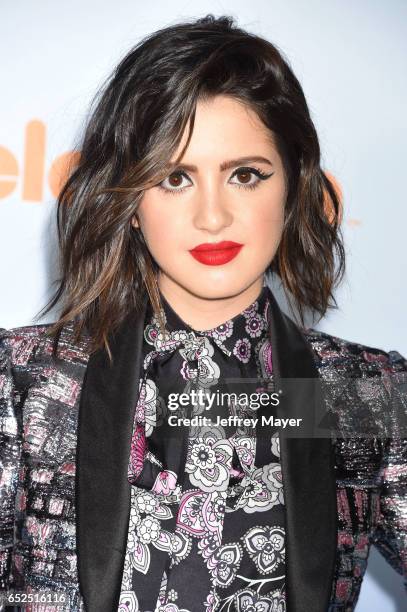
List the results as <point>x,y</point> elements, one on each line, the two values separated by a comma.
<point>262,176</point>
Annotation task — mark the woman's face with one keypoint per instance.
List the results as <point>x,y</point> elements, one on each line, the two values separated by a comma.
<point>229,186</point>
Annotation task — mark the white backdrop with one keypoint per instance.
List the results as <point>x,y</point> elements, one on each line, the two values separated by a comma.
<point>351,60</point>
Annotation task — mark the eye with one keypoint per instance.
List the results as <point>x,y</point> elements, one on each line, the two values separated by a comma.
<point>175,182</point>
<point>249,177</point>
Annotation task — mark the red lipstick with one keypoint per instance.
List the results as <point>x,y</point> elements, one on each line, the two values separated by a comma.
<point>216,253</point>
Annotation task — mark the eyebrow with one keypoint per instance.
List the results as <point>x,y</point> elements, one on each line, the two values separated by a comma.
<point>231,163</point>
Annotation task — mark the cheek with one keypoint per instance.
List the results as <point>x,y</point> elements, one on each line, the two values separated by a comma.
<point>160,224</point>
<point>266,218</point>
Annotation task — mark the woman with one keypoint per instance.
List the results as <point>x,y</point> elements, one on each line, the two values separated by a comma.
<point>199,173</point>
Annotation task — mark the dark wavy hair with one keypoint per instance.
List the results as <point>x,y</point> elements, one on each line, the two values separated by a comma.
<point>136,123</point>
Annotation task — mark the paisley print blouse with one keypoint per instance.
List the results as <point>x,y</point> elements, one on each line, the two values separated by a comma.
<point>207,528</point>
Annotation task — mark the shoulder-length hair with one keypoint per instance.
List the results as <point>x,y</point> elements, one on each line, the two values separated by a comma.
<point>136,125</point>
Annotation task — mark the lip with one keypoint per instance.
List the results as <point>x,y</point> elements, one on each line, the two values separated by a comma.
<point>216,253</point>
<point>216,246</point>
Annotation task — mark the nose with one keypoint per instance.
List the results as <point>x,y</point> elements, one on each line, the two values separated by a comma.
<point>212,213</point>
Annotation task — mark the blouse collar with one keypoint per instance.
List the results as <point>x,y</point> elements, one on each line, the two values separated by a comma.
<point>236,336</point>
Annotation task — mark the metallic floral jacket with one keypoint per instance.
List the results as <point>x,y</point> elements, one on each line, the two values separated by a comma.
<point>65,431</point>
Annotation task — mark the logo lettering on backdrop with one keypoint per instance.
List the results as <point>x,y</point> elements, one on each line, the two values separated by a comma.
<point>34,172</point>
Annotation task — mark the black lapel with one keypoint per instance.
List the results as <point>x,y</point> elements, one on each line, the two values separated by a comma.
<point>108,402</point>
<point>307,466</point>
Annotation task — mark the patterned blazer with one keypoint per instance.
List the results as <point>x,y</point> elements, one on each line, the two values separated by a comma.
<point>66,426</point>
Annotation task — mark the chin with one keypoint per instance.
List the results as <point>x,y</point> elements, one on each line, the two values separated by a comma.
<point>218,290</point>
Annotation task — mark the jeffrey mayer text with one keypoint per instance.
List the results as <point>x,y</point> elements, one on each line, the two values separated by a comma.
<point>233,420</point>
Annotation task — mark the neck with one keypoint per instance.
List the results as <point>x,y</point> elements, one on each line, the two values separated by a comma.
<point>203,313</point>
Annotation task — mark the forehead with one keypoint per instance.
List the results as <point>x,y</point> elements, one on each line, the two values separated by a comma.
<point>226,126</point>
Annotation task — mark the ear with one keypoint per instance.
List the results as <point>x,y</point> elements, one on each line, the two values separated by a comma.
<point>135,222</point>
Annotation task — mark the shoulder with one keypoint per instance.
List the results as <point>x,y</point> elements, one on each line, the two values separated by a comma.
<point>330,350</point>
<point>366,386</point>
<point>27,359</point>
<point>20,346</point>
